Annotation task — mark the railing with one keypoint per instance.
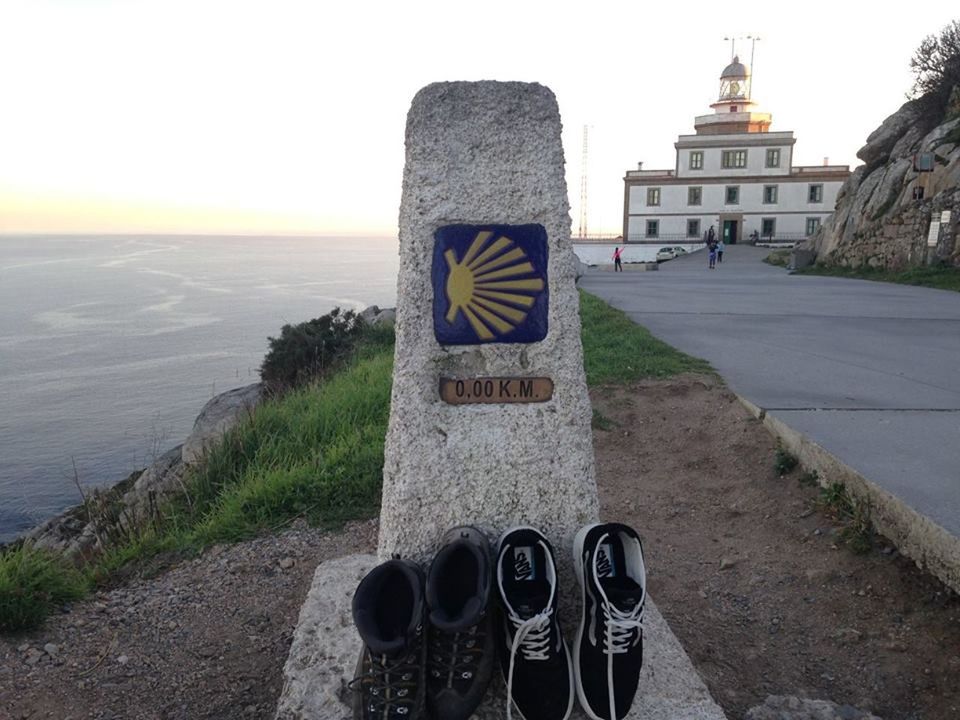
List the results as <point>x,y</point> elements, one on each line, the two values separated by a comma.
<point>815,169</point>
<point>666,239</point>
<point>651,173</point>
<point>598,238</point>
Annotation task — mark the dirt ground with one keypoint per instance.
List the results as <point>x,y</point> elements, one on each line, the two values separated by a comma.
<point>749,573</point>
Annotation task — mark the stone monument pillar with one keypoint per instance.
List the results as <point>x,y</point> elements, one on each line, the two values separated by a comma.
<point>490,417</point>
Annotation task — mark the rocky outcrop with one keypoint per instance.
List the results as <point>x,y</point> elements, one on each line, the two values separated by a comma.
<point>884,210</point>
<point>375,316</point>
<point>217,418</point>
<point>107,514</point>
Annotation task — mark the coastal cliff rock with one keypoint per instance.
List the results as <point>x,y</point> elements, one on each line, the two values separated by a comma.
<point>128,505</point>
<point>884,210</point>
<point>217,418</point>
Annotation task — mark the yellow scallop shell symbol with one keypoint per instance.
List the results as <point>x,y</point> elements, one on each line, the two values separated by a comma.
<point>488,286</point>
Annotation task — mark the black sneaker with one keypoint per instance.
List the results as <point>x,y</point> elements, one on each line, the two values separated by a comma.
<point>388,610</point>
<point>608,650</point>
<point>461,649</point>
<point>533,657</point>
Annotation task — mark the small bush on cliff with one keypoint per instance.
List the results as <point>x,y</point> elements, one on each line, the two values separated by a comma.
<point>311,349</point>
<point>936,69</point>
<point>32,583</point>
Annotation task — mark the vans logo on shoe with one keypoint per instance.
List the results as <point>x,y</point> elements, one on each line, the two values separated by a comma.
<point>604,563</point>
<point>523,568</point>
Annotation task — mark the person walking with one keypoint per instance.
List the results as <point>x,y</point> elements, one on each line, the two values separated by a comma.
<point>720,251</point>
<point>616,260</point>
<point>711,238</point>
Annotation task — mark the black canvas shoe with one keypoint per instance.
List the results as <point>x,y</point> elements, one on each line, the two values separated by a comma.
<point>388,610</point>
<point>533,657</point>
<point>461,649</point>
<point>608,650</point>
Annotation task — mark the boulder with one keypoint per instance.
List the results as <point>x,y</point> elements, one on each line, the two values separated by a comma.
<point>162,478</point>
<point>386,317</point>
<point>881,141</point>
<point>368,314</point>
<point>217,418</point>
<point>788,707</point>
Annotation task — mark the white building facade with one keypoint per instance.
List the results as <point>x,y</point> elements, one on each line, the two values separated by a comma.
<point>733,174</point>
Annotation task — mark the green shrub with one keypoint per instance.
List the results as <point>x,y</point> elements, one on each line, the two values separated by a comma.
<point>311,349</point>
<point>32,583</point>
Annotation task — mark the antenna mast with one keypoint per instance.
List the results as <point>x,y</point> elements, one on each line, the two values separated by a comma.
<point>583,187</point>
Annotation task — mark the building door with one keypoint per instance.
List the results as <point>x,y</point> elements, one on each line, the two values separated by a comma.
<point>730,232</point>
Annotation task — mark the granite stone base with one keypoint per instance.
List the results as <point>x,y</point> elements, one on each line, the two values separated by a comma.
<point>326,647</point>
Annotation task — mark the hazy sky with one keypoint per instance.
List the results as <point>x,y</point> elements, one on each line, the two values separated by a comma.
<point>286,116</point>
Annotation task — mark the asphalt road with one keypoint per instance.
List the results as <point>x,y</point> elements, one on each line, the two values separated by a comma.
<point>870,371</point>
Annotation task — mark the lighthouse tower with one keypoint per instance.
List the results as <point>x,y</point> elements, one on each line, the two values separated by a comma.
<point>734,111</point>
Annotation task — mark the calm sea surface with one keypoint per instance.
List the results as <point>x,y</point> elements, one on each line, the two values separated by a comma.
<point>109,346</point>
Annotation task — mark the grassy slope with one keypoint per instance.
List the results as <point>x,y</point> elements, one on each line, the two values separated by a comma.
<point>316,452</point>
<point>942,278</point>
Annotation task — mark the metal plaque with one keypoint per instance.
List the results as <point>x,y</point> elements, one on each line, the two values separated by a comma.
<point>465,391</point>
<point>490,284</point>
<point>934,234</point>
<point>945,217</point>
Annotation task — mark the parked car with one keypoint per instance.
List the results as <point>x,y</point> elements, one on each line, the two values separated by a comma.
<point>665,254</point>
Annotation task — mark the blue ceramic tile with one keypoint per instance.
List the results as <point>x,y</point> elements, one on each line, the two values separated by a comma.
<point>490,284</point>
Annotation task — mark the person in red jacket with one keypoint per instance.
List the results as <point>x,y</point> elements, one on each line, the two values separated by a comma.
<point>616,259</point>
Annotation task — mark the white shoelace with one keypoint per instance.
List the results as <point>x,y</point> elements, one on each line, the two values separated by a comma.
<point>532,638</point>
<point>620,626</point>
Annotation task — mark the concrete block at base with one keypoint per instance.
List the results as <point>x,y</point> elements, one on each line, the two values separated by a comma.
<point>326,647</point>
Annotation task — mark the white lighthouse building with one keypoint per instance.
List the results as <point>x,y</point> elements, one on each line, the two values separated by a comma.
<point>733,174</point>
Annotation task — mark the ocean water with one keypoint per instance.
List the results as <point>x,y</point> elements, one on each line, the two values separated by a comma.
<point>109,346</point>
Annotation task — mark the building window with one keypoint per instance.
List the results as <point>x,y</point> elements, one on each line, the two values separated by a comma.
<point>696,160</point>
<point>769,194</point>
<point>733,194</point>
<point>734,158</point>
<point>653,196</point>
<point>653,228</point>
<point>694,195</point>
<point>813,224</point>
<point>693,228</point>
<point>768,227</point>
<point>815,193</point>
<point>773,157</point>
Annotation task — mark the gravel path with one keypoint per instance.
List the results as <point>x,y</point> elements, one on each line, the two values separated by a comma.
<point>205,639</point>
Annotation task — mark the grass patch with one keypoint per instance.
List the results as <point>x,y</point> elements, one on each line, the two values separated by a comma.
<point>941,277</point>
<point>811,478</point>
<point>783,461</point>
<point>316,452</point>
<point>779,258</point>
<point>618,351</point>
<point>32,583</point>
<point>857,532</point>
